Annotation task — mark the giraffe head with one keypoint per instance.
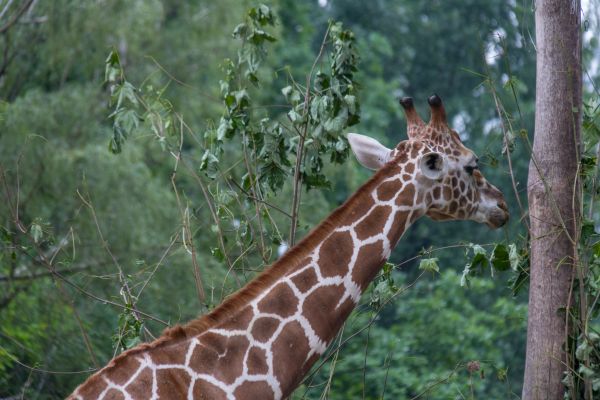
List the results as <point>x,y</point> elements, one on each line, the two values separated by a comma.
<point>449,184</point>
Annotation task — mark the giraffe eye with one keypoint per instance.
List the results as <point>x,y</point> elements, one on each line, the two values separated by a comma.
<point>471,168</point>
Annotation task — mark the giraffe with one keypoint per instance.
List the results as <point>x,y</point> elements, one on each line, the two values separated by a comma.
<point>262,340</point>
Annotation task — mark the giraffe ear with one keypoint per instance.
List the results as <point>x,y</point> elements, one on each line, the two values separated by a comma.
<point>432,165</point>
<point>369,152</point>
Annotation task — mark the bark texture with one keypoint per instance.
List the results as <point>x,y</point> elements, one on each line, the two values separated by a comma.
<point>553,193</point>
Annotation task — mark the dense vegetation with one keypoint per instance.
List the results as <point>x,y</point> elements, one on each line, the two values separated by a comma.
<point>139,190</point>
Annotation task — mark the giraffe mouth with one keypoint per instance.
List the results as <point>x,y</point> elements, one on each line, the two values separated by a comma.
<point>439,216</point>
<point>498,217</point>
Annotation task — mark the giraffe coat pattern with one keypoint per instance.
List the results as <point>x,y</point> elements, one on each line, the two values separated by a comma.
<point>263,339</point>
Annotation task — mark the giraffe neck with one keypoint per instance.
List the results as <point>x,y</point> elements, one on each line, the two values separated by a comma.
<point>263,340</point>
<point>282,331</point>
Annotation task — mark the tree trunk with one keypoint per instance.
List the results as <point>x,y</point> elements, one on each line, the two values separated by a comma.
<point>553,194</point>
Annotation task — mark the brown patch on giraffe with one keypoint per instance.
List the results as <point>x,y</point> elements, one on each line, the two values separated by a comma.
<point>257,361</point>
<point>239,320</point>
<point>305,279</point>
<point>462,186</point>
<point>204,359</point>
<point>414,152</point>
<point>213,341</point>
<point>92,389</point>
<point>372,224</point>
<point>114,394</point>
<point>172,383</point>
<point>455,136</point>
<point>419,199</point>
<point>223,357</point>
<point>447,193</point>
<point>436,192</point>
<point>319,309</point>
<point>280,300</point>
<point>359,209</point>
<point>303,263</point>
<point>402,157</point>
<point>397,227</point>
<point>456,153</point>
<point>454,181</point>
<point>407,196</point>
<point>409,168</point>
<point>406,177</point>
<point>263,328</point>
<point>456,193</point>
<point>461,214</point>
<point>387,190</point>
<point>254,390</point>
<point>230,365</point>
<point>462,201</point>
<point>336,252</point>
<point>368,262</point>
<point>122,374</point>
<point>453,207</point>
<point>428,198</point>
<point>175,355</point>
<point>204,390</point>
<point>141,388</point>
<point>413,217</point>
<point>289,349</point>
<point>470,194</point>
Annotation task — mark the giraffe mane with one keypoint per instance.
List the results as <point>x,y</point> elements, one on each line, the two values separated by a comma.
<point>291,258</point>
<point>269,276</point>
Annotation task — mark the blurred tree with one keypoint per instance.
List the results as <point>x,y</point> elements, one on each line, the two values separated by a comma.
<point>554,193</point>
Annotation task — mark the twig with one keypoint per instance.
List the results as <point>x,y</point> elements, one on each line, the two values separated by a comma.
<point>300,147</point>
<point>16,17</point>
<point>273,206</point>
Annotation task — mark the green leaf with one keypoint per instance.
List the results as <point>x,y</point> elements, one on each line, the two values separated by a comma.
<point>500,258</point>
<point>225,129</point>
<point>351,103</point>
<point>586,372</point>
<point>113,71</point>
<point>291,95</point>
<point>132,342</point>
<point>429,264</point>
<point>338,123</point>
<point>583,350</point>
<point>294,116</point>
<point>286,91</point>
<point>513,256</point>
<point>478,262</point>
<point>217,253</point>
<point>209,164</point>
<point>240,30</point>
<point>36,232</point>
<point>587,230</point>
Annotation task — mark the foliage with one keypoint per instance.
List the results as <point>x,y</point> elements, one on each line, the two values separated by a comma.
<point>398,352</point>
<point>212,155</point>
<point>583,374</point>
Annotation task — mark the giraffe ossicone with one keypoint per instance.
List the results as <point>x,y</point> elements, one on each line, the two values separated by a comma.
<point>262,340</point>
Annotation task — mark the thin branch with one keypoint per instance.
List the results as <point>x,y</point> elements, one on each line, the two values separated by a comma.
<point>31,277</point>
<point>16,17</point>
<point>300,147</point>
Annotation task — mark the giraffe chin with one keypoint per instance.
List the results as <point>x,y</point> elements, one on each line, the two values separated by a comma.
<point>497,218</point>
<point>439,216</point>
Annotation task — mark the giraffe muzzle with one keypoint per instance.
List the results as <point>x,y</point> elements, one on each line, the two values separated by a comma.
<point>498,216</point>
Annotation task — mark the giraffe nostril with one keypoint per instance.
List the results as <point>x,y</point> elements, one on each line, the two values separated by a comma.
<point>502,205</point>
